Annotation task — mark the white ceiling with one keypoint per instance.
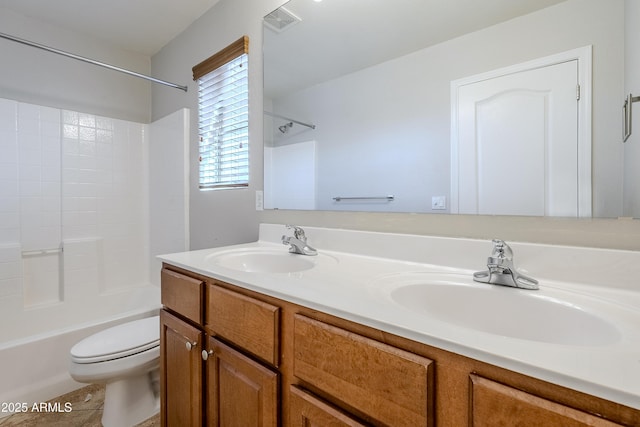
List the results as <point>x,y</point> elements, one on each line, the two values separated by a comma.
<point>336,37</point>
<point>142,26</point>
<point>145,26</point>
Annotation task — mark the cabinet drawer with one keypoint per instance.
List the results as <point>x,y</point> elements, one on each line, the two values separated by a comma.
<point>383,383</point>
<point>495,404</point>
<point>182,294</point>
<point>247,322</point>
<point>307,410</point>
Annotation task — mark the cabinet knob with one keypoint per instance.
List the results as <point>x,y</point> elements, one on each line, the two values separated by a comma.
<point>206,354</point>
<point>190,345</point>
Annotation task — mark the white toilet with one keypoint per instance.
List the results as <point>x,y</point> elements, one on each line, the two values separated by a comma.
<point>127,358</point>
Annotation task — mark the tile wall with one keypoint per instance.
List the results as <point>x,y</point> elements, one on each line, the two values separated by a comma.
<point>73,213</point>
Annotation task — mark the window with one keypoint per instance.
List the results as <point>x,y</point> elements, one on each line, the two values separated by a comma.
<point>223,117</point>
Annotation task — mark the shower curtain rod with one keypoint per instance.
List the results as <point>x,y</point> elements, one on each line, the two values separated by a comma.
<point>90,61</point>
<point>268,113</point>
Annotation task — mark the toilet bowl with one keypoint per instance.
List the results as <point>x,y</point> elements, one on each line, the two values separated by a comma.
<point>127,359</point>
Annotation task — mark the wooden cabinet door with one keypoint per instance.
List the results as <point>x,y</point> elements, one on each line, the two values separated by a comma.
<point>181,372</point>
<point>305,410</point>
<point>494,405</point>
<point>240,391</point>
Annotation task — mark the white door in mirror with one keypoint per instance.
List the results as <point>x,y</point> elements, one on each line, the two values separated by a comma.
<point>518,143</point>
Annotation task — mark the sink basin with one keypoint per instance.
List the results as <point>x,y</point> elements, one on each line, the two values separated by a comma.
<point>264,260</point>
<point>546,315</point>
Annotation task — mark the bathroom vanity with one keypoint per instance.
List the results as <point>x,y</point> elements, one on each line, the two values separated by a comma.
<point>253,335</point>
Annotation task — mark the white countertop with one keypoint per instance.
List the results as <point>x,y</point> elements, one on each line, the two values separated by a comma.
<point>355,273</point>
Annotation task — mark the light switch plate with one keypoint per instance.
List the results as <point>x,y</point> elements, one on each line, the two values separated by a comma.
<point>259,200</point>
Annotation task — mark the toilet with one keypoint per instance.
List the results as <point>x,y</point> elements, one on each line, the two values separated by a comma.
<point>127,359</point>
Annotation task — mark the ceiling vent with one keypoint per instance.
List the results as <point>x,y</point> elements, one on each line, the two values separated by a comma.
<point>280,20</point>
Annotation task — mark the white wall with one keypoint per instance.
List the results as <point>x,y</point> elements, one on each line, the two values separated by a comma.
<point>378,142</point>
<point>219,218</point>
<point>43,78</point>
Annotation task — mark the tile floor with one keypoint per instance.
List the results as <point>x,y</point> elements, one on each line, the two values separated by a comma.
<point>86,404</point>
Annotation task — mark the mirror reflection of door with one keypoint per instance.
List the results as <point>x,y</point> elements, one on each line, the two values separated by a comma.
<point>517,149</point>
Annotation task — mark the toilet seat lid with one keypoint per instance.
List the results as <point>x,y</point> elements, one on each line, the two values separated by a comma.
<point>118,341</point>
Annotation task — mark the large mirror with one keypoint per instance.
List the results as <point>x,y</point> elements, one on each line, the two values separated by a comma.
<point>362,105</point>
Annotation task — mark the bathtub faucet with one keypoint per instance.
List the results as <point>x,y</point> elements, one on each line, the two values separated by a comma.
<point>501,270</point>
<point>298,242</point>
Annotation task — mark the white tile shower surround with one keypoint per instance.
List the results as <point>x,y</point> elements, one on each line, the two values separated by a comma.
<point>82,182</point>
<point>73,181</point>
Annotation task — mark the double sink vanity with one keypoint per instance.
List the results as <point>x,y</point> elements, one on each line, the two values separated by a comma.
<point>391,329</point>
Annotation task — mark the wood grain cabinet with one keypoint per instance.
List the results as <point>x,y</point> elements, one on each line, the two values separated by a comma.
<point>205,381</point>
<point>494,404</point>
<point>181,372</point>
<point>240,391</point>
<point>384,384</point>
<point>231,357</point>
<point>180,344</point>
<point>249,323</point>
<point>307,410</point>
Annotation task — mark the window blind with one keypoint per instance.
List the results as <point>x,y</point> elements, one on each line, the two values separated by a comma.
<point>223,122</point>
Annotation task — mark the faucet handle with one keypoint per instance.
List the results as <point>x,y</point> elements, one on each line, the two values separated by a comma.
<point>298,242</point>
<point>501,249</point>
<point>501,257</point>
<point>501,270</point>
<point>298,232</point>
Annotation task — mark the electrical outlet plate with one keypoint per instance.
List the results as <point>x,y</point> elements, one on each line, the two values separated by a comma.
<point>438,203</point>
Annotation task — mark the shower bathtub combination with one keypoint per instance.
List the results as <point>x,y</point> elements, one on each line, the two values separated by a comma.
<point>77,237</point>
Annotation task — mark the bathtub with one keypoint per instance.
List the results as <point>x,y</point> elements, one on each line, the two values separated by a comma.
<point>35,368</point>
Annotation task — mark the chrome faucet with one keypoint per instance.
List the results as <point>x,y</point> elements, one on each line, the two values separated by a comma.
<point>501,270</point>
<point>298,242</point>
